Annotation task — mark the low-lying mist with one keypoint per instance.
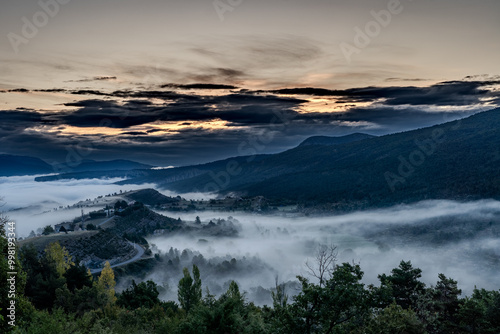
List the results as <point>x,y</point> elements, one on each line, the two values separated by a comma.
<point>460,240</point>
<point>32,204</point>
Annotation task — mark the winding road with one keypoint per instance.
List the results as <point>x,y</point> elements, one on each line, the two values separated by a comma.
<point>140,253</point>
<point>107,220</point>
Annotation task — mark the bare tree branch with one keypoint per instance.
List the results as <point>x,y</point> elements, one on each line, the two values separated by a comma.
<point>325,259</point>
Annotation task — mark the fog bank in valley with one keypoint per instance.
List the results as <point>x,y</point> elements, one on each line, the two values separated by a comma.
<point>33,205</point>
<point>461,240</point>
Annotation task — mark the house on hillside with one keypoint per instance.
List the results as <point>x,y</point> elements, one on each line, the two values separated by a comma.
<point>66,227</point>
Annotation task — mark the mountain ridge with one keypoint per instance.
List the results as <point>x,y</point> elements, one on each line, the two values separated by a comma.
<point>18,165</point>
<point>454,160</point>
<point>329,140</point>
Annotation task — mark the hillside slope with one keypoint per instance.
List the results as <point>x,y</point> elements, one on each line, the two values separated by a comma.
<point>455,160</point>
<point>328,141</point>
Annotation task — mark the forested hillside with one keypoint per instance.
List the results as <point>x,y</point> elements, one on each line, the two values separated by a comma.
<point>455,160</point>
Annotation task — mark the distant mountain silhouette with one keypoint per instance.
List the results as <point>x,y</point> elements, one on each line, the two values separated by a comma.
<point>14,165</point>
<point>326,141</point>
<point>92,165</point>
<point>455,160</point>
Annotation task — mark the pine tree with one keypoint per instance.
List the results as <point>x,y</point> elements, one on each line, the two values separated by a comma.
<point>405,284</point>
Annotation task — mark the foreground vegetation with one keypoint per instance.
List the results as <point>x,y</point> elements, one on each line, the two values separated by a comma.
<point>56,295</point>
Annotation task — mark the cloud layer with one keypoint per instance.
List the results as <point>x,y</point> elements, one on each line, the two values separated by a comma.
<point>178,124</point>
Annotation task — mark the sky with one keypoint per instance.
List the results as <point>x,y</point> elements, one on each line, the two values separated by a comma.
<point>173,83</point>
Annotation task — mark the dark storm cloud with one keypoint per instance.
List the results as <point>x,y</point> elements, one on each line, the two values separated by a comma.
<point>449,93</point>
<point>218,74</point>
<point>104,78</point>
<point>49,147</point>
<point>405,79</point>
<point>140,102</point>
<point>91,103</point>
<point>53,90</point>
<point>151,94</point>
<point>89,92</point>
<point>385,120</point>
<point>135,133</point>
<point>21,119</point>
<point>19,116</point>
<point>199,86</point>
<point>188,146</point>
<point>237,109</point>
<point>246,113</point>
<point>138,139</point>
<point>19,90</point>
<point>259,110</point>
<point>109,114</point>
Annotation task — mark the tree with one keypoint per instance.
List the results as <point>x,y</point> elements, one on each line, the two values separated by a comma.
<point>228,314</point>
<point>326,256</point>
<point>280,316</point>
<point>189,289</point>
<point>120,205</point>
<point>197,220</point>
<point>144,294</point>
<point>91,227</point>
<point>405,284</point>
<point>81,301</point>
<point>480,313</point>
<point>48,230</point>
<point>77,277</point>
<point>341,302</point>
<point>395,320</point>
<point>60,256</point>
<point>106,282</point>
<point>43,278</point>
<point>446,302</point>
